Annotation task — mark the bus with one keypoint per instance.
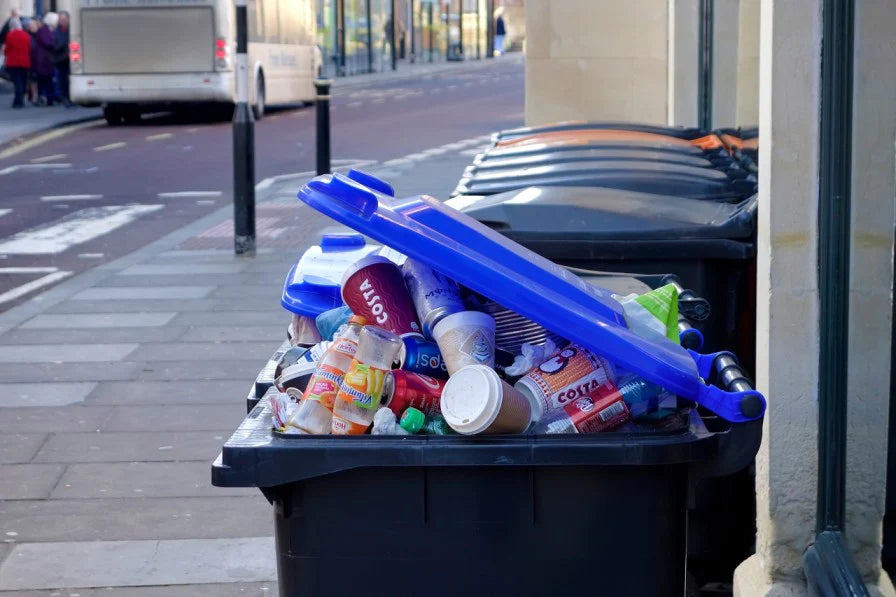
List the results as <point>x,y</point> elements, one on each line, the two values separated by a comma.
<point>136,56</point>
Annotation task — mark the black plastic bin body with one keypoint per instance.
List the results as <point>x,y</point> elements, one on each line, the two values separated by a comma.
<point>501,515</point>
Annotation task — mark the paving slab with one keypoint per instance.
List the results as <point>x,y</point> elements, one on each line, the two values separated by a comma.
<point>98,320</point>
<point>253,318</point>
<point>269,301</point>
<point>138,563</point>
<point>213,351</point>
<point>43,394</point>
<point>181,268</point>
<point>129,293</point>
<point>65,353</point>
<point>177,417</point>
<point>241,292</point>
<point>273,281</point>
<point>87,335</point>
<point>115,519</point>
<point>25,482</point>
<point>5,548</point>
<point>69,372</point>
<point>132,446</point>
<point>197,370</point>
<point>226,333</point>
<point>19,448</point>
<point>259,589</point>
<point>170,392</point>
<point>52,420</point>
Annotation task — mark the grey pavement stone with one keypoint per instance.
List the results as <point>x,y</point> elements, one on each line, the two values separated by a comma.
<point>70,372</point>
<point>198,370</point>
<point>61,353</point>
<point>273,281</point>
<point>133,446</point>
<point>170,392</point>
<point>141,479</point>
<point>99,320</point>
<point>5,548</point>
<point>267,302</point>
<point>213,351</point>
<point>117,519</point>
<point>188,268</point>
<point>143,293</point>
<point>176,417</point>
<point>138,563</point>
<point>225,333</point>
<point>232,319</point>
<point>246,292</point>
<point>43,394</point>
<point>87,335</point>
<point>212,255</point>
<point>259,589</point>
<point>27,481</point>
<point>53,420</point>
<point>19,448</point>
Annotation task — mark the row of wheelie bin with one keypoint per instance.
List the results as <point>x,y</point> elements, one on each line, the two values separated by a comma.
<point>643,199</point>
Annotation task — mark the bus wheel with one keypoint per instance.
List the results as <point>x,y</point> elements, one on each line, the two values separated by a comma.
<point>258,107</point>
<point>113,115</point>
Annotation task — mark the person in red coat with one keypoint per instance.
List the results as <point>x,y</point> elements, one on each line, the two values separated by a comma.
<point>18,59</point>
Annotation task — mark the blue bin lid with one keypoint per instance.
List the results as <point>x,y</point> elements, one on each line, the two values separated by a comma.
<point>496,267</point>
<point>313,283</point>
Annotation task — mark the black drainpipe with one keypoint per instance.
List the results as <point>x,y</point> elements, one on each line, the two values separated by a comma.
<point>828,564</point>
<point>704,65</point>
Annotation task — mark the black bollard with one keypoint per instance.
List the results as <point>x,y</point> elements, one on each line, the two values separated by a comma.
<point>322,105</point>
<point>243,146</point>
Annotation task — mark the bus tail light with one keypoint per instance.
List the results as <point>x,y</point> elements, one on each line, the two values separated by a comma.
<point>222,53</point>
<point>75,55</point>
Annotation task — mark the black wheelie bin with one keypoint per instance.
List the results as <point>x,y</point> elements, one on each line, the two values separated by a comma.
<point>496,515</point>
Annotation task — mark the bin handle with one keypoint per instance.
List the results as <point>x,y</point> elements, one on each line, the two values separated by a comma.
<point>738,402</point>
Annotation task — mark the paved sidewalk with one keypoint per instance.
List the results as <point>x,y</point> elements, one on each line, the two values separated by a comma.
<point>121,384</point>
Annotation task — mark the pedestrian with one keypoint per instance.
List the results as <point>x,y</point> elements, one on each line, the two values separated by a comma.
<point>61,59</point>
<point>15,13</point>
<point>500,32</point>
<point>32,27</point>
<point>42,58</point>
<point>17,50</point>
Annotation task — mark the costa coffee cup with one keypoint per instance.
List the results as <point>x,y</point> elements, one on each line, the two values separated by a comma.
<point>475,400</point>
<point>466,338</point>
<point>374,288</point>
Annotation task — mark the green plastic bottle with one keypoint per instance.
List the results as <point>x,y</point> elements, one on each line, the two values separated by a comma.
<point>414,421</point>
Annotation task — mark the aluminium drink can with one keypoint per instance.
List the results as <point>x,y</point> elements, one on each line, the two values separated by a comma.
<point>434,294</point>
<point>422,356</point>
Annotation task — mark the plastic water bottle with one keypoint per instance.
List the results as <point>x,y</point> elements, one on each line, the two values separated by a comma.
<point>414,421</point>
<point>315,412</point>
<point>604,409</point>
<point>361,391</point>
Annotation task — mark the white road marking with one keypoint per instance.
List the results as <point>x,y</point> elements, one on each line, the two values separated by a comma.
<point>3,212</point>
<point>28,270</point>
<point>91,255</point>
<point>189,194</point>
<point>354,104</point>
<point>31,167</point>
<point>452,87</point>
<point>50,158</point>
<point>19,291</point>
<point>417,156</point>
<point>110,146</point>
<point>159,137</point>
<point>70,197</point>
<point>434,151</point>
<point>74,229</point>
<point>377,100</point>
<point>205,202</point>
<point>193,129</point>
<point>397,162</point>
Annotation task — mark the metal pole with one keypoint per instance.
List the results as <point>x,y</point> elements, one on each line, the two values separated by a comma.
<point>340,25</point>
<point>369,39</point>
<point>392,35</point>
<point>478,31</point>
<point>322,107</point>
<point>704,62</point>
<point>431,31</point>
<point>490,29</point>
<point>243,145</point>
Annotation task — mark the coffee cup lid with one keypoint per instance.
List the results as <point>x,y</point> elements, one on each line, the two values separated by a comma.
<point>462,318</point>
<point>472,399</point>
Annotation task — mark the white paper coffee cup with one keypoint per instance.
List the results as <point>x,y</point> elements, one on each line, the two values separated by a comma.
<point>466,338</point>
<point>475,400</point>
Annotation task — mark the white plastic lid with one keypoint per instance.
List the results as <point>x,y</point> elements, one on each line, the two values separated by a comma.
<point>472,399</point>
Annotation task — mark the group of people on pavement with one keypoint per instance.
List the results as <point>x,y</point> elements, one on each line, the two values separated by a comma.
<point>37,58</point>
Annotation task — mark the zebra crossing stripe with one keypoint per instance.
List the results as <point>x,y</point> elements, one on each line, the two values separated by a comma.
<point>74,229</point>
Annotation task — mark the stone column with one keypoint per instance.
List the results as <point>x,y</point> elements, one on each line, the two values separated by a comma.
<point>596,60</point>
<point>787,297</point>
<point>787,292</point>
<point>724,61</point>
<point>684,16</point>
<point>747,110</point>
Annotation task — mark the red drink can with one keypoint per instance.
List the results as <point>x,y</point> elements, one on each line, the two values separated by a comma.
<point>601,410</point>
<point>374,288</point>
<point>404,389</point>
